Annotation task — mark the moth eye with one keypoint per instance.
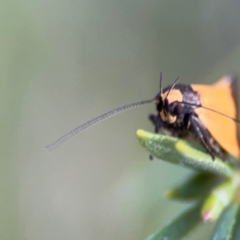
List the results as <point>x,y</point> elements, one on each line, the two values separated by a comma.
<point>166,105</point>
<point>178,110</point>
<point>160,105</point>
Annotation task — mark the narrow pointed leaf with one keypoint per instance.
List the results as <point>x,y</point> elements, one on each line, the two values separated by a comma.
<point>178,151</point>
<point>198,185</point>
<point>236,227</point>
<point>218,200</point>
<point>225,224</point>
<point>180,226</point>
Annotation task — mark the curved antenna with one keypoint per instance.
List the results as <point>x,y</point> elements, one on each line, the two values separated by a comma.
<point>92,122</point>
<point>212,110</point>
<point>173,85</point>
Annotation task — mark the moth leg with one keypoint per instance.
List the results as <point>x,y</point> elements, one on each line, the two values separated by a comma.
<point>164,128</point>
<point>155,119</point>
<point>204,136</point>
<point>157,122</point>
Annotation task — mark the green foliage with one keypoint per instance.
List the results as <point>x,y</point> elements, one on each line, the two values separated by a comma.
<point>180,226</point>
<point>214,185</point>
<point>226,223</point>
<point>194,187</point>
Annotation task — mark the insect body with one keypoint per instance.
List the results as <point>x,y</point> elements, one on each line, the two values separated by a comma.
<point>207,112</point>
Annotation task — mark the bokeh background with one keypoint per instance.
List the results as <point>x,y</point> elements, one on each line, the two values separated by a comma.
<point>65,62</point>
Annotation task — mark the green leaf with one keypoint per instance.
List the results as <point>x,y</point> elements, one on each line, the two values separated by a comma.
<point>178,151</point>
<point>219,199</point>
<point>225,224</point>
<point>195,186</point>
<point>180,226</point>
<point>236,228</point>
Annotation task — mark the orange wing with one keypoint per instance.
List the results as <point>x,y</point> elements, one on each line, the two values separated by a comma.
<point>220,97</point>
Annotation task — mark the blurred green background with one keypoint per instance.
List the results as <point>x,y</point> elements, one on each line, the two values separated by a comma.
<point>65,62</point>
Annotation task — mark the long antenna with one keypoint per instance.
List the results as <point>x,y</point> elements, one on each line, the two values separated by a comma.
<point>212,110</point>
<point>92,122</point>
<point>160,83</point>
<point>172,87</point>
